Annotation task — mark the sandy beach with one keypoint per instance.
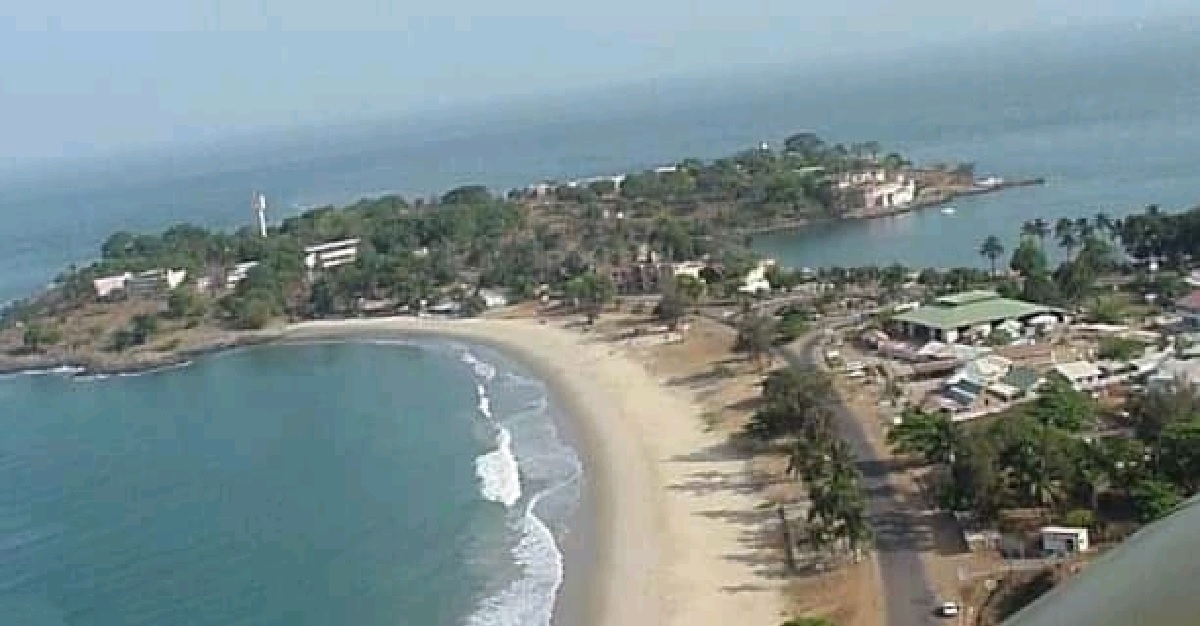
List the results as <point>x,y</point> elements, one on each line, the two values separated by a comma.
<point>668,549</point>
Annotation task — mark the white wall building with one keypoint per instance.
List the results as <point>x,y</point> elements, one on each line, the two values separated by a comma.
<point>891,195</point>
<point>156,281</point>
<point>756,279</point>
<point>1081,375</point>
<point>238,273</point>
<point>331,254</point>
<point>109,286</point>
<point>1064,540</point>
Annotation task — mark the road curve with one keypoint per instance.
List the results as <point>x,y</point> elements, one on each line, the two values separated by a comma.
<point>895,517</point>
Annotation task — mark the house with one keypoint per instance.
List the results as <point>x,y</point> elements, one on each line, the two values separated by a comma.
<point>1081,375</point>
<point>966,314</point>
<point>689,268</point>
<point>493,298</point>
<point>238,273</point>
<point>1188,307</point>
<point>109,286</point>
<point>1174,372</point>
<point>1017,382</point>
<point>1064,540</point>
<point>890,195</point>
<point>331,254</point>
<point>640,278</point>
<point>154,282</point>
<point>756,279</point>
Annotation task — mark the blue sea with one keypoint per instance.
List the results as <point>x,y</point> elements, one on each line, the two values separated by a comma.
<point>430,483</point>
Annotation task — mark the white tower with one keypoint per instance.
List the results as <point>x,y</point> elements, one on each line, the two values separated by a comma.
<point>260,207</point>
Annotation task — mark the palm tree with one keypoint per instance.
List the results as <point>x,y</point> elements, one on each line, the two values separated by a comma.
<point>992,249</point>
<point>1104,223</point>
<point>1084,228</point>
<point>1066,232</point>
<point>1042,230</point>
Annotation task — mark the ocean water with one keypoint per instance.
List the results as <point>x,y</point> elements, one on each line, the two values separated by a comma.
<point>371,483</point>
<point>377,483</point>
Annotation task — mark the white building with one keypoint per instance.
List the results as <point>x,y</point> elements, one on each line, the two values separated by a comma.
<point>331,254</point>
<point>688,268</point>
<point>1172,372</point>
<point>1081,375</point>
<point>891,195</point>
<point>153,282</point>
<point>1064,540</point>
<point>238,273</point>
<point>756,279</point>
<point>109,286</point>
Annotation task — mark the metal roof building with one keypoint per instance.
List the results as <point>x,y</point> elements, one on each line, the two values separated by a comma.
<point>953,315</point>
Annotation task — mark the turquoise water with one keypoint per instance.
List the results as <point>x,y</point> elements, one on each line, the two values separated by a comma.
<point>323,484</point>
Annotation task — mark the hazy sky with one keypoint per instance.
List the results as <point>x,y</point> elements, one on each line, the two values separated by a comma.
<point>79,76</point>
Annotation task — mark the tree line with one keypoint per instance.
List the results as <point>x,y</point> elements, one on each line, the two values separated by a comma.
<point>798,408</point>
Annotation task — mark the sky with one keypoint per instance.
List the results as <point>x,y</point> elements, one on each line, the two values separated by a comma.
<point>80,77</point>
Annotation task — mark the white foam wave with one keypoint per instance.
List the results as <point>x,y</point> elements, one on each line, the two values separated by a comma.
<point>482,369</point>
<point>498,472</point>
<point>485,402</point>
<point>528,600</point>
<point>64,370</point>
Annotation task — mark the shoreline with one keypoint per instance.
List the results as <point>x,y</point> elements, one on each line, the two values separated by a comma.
<point>663,548</point>
<point>926,203</point>
<point>619,586</point>
<point>657,546</point>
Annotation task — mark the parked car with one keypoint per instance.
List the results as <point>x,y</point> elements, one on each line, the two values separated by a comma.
<point>948,609</point>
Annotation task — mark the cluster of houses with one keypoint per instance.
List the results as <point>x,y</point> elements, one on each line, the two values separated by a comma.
<point>948,342</point>
<point>647,273</point>
<point>876,188</point>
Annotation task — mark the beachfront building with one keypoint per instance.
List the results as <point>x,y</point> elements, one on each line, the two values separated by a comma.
<point>331,254</point>
<point>966,315</point>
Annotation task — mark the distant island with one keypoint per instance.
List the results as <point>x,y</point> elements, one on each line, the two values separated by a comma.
<point>154,300</point>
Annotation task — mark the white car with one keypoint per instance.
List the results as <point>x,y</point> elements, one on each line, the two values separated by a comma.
<point>949,609</point>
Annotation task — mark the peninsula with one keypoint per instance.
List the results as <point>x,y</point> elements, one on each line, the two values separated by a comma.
<point>158,300</point>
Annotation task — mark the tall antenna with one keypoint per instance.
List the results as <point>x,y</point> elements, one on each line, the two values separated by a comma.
<point>260,207</point>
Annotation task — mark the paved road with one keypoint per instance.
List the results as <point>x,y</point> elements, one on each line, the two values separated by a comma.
<point>900,532</point>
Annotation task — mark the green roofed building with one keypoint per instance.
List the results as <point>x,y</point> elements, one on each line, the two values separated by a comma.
<point>970,312</point>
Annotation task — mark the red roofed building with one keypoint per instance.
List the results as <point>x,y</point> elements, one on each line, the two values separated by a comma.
<point>1189,308</point>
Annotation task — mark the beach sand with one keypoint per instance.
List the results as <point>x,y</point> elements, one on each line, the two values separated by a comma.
<point>668,549</point>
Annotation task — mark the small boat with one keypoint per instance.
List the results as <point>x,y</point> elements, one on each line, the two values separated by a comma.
<point>948,210</point>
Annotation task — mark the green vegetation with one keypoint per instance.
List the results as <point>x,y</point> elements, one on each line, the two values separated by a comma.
<point>138,333</point>
<point>797,407</point>
<point>39,335</point>
<point>1119,348</point>
<point>1039,455</point>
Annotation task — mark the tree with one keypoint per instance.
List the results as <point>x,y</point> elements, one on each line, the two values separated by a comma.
<point>1060,406</point>
<point>38,336</point>
<point>929,435</point>
<point>755,335</point>
<point>992,249</point>
<point>592,292</point>
<point>1154,499</point>
<point>1028,259</point>
<point>1067,234</point>
<point>182,302</point>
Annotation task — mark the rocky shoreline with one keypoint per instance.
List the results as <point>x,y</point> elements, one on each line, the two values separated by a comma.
<point>94,364</point>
